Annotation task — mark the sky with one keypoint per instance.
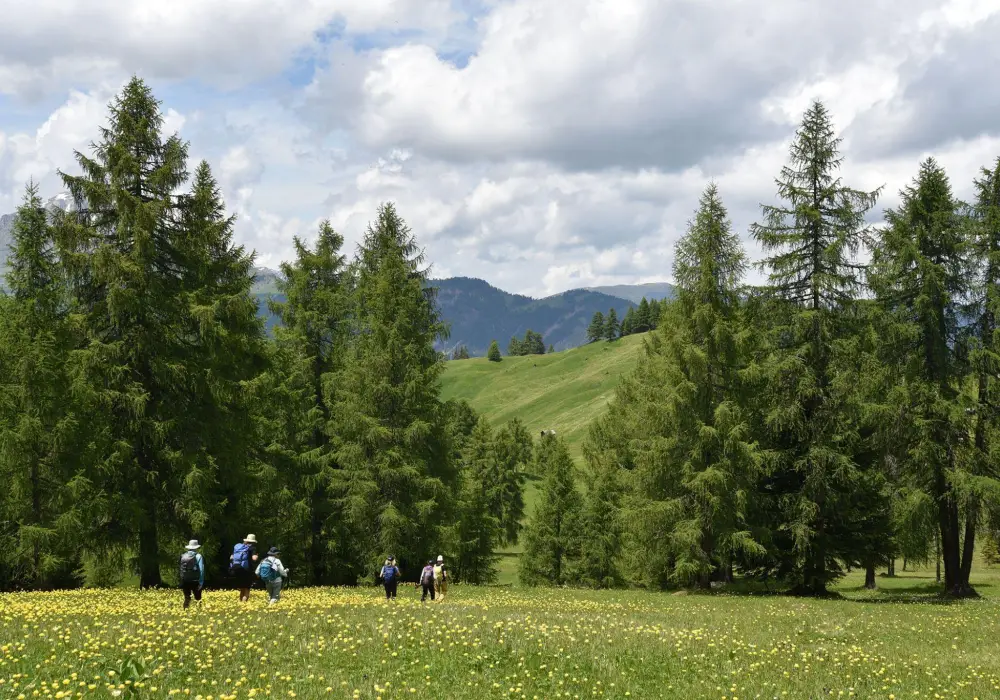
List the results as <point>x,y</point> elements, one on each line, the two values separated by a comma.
<point>541,145</point>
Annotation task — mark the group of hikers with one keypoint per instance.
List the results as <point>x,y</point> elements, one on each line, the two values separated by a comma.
<point>433,579</point>
<point>270,570</point>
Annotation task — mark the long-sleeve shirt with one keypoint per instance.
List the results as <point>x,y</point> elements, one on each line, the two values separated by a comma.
<point>276,565</point>
<point>201,569</point>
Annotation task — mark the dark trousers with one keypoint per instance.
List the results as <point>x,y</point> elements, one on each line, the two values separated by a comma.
<point>428,589</point>
<point>189,590</point>
<point>390,588</point>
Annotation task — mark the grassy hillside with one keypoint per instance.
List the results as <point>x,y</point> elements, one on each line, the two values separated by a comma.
<point>563,391</point>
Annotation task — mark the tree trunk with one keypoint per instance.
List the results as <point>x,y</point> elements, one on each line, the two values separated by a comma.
<point>968,550</point>
<point>149,551</point>
<point>36,514</point>
<point>937,555</point>
<point>316,541</point>
<point>892,567</point>
<point>870,575</point>
<point>904,563</point>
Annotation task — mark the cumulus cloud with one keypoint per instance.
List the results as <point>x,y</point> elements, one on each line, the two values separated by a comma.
<point>540,145</point>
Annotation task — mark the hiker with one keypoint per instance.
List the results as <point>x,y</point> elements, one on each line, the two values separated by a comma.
<point>427,581</point>
<point>390,577</point>
<point>241,567</point>
<point>440,577</point>
<point>192,573</point>
<point>272,572</point>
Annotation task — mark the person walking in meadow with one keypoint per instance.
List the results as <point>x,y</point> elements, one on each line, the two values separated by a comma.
<point>390,578</point>
<point>241,563</point>
<point>192,573</point>
<point>427,581</point>
<point>440,578</point>
<point>272,572</point>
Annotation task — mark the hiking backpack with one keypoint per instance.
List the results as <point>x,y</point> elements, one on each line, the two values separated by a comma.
<point>189,568</point>
<point>389,573</point>
<point>427,577</point>
<point>267,571</point>
<point>241,555</point>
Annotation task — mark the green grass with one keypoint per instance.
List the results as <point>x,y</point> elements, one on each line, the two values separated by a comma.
<point>898,642</point>
<point>563,391</point>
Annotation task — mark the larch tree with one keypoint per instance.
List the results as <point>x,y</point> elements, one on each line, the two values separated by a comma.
<point>812,241</point>
<point>399,478</point>
<point>984,358</point>
<point>46,488</point>
<point>612,329</point>
<point>224,349</point>
<point>313,339</point>
<point>120,251</point>
<point>595,331</point>
<point>552,536</point>
<point>920,277</point>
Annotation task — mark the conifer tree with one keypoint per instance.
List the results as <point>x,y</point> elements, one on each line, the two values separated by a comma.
<point>514,347</point>
<point>120,250</point>
<point>552,536</point>
<point>655,307</point>
<point>225,350</point>
<point>46,490</point>
<point>512,448</point>
<point>920,276</point>
<point>312,339</point>
<point>628,323</point>
<point>813,239</point>
<point>611,328</point>
<point>685,433</point>
<point>984,356</point>
<point>493,354</point>
<point>600,528</point>
<point>595,331</point>
<point>479,528</point>
<point>642,317</point>
<point>399,475</point>
<point>552,348</point>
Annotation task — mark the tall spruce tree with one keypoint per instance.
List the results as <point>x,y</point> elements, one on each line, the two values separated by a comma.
<point>612,329</point>
<point>920,276</point>
<point>493,354</point>
<point>629,322</point>
<point>512,449</point>
<point>600,523</point>
<point>479,529</point>
<point>399,476</point>
<point>46,489</point>
<point>224,351</point>
<point>595,331</point>
<point>984,356</point>
<point>813,239</point>
<point>129,373</point>
<point>552,536</point>
<point>642,317</point>
<point>313,338</point>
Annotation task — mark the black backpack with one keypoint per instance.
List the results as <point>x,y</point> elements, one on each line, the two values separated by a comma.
<point>189,568</point>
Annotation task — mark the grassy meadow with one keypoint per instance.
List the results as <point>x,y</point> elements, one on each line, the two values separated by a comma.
<point>564,391</point>
<point>505,642</point>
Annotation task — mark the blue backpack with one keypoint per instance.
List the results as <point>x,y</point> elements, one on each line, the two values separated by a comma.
<point>389,573</point>
<point>267,572</point>
<point>241,555</point>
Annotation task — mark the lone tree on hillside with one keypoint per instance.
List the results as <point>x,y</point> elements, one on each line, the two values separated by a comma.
<point>493,354</point>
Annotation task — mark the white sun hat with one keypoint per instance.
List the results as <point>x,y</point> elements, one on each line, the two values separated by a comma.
<point>252,539</point>
<point>193,545</point>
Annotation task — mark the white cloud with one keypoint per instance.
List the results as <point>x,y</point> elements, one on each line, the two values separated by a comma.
<point>569,150</point>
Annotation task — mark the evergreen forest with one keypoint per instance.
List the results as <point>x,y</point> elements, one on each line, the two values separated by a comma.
<point>845,413</point>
